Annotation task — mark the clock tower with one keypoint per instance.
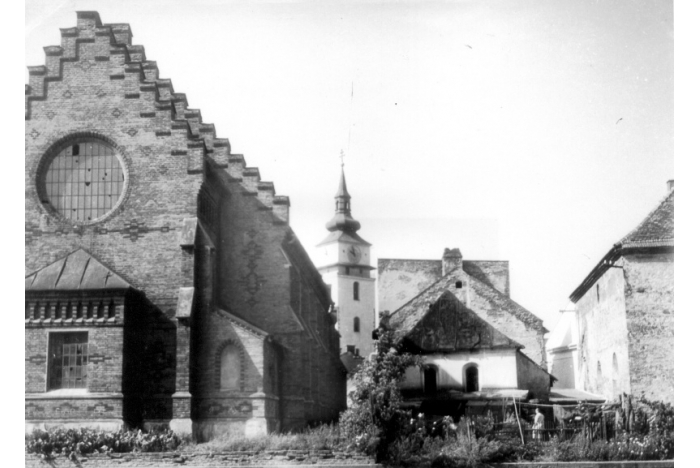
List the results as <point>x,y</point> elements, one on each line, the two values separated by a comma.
<point>346,269</point>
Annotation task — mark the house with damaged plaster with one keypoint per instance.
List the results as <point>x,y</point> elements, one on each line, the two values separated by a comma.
<point>163,283</point>
<point>479,347</point>
<point>619,337</point>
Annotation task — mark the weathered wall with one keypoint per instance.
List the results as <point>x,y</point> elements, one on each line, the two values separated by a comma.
<point>532,377</point>
<point>497,370</point>
<point>401,280</point>
<point>240,410</point>
<point>650,318</point>
<point>349,308</point>
<point>563,368</point>
<point>508,317</point>
<point>603,336</point>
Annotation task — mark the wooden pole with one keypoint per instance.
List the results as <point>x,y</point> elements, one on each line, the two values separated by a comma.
<point>517,417</point>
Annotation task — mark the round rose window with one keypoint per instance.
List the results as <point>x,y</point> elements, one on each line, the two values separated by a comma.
<point>84,181</point>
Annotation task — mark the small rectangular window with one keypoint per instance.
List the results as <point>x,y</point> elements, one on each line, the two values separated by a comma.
<point>68,360</point>
<point>356,291</point>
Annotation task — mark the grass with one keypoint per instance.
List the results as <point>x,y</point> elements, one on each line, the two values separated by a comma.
<point>323,437</point>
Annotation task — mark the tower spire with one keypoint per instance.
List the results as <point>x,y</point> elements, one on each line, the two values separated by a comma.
<point>342,221</point>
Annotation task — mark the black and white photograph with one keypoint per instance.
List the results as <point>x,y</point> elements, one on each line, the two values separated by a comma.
<point>401,233</point>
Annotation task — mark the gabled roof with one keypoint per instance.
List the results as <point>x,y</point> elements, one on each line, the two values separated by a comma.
<point>76,271</point>
<point>437,320</point>
<point>656,230</point>
<point>406,314</point>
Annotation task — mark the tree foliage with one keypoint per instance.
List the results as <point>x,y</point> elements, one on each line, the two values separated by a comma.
<point>374,419</point>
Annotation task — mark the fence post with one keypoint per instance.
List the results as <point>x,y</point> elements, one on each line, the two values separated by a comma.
<point>517,417</point>
<point>605,426</point>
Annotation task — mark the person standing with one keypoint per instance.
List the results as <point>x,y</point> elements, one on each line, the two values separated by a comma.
<point>538,425</point>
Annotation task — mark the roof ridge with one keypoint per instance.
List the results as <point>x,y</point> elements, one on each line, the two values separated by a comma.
<point>646,218</point>
<point>449,295</point>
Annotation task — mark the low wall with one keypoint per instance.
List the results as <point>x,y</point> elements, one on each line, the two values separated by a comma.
<point>268,459</point>
<point>589,464</point>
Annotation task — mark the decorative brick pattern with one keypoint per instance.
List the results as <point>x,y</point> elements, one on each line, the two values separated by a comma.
<point>98,85</point>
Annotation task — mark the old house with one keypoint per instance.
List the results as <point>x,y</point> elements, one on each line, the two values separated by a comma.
<point>163,282</point>
<point>624,313</point>
<point>478,345</point>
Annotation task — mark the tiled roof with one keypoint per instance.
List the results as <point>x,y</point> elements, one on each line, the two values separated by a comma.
<point>656,229</point>
<point>412,316</point>
<point>77,271</point>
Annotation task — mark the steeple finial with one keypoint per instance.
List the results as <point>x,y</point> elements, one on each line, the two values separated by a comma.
<point>342,220</point>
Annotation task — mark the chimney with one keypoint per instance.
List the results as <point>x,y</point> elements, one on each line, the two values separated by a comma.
<point>669,184</point>
<point>451,259</point>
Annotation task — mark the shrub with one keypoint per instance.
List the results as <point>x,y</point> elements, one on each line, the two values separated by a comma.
<point>73,442</point>
<point>374,420</point>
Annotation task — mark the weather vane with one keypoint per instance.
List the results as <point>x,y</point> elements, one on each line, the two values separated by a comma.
<point>342,158</point>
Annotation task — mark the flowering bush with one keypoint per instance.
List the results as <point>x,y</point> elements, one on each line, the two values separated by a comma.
<point>374,420</point>
<point>74,442</point>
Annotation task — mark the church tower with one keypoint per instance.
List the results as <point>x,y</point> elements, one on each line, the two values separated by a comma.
<point>346,269</point>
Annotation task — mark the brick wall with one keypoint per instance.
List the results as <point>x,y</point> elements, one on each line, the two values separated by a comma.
<point>98,85</point>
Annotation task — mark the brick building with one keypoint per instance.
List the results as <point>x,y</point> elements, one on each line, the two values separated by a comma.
<point>624,311</point>
<point>163,282</point>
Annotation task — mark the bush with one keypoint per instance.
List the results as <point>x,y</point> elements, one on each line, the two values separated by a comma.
<point>73,442</point>
<point>374,420</point>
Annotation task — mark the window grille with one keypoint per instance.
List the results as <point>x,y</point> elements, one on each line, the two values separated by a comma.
<point>84,181</point>
<point>68,360</point>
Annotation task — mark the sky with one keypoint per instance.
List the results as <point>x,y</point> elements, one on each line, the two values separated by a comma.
<point>538,132</point>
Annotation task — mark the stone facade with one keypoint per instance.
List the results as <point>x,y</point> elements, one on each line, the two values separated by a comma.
<point>483,286</point>
<point>207,261</point>
<point>624,311</point>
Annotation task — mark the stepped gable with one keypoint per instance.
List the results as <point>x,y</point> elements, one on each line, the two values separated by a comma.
<point>76,271</point>
<point>448,325</point>
<point>140,78</point>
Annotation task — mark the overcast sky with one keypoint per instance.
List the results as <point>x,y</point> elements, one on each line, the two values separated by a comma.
<point>538,132</point>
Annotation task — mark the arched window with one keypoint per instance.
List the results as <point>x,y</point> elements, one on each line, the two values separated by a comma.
<point>356,324</point>
<point>356,291</point>
<point>471,378</point>
<point>430,380</point>
<point>230,372</point>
